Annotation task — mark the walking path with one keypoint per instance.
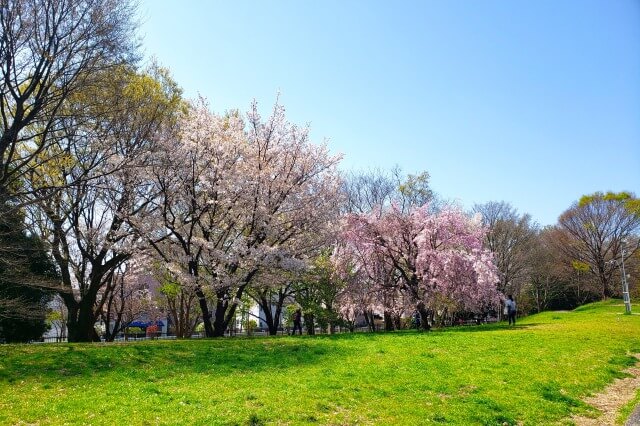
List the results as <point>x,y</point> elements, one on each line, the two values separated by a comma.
<point>614,397</point>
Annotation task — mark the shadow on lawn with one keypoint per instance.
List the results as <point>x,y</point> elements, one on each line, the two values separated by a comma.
<point>216,357</point>
<point>440,331</point>
<point>485,327</point>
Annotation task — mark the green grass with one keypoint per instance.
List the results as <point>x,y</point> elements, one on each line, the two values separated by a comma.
<point>535,373</point>
<point>627,409</point>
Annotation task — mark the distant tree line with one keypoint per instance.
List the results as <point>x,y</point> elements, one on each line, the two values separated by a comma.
<point>574,262</point>
<point>120,199</point>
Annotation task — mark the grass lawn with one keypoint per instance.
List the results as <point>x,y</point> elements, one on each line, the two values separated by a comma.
<point>533,374</point>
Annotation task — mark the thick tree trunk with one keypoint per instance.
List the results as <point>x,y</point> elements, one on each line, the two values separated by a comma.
<point>309,324</point>
<point>388,321</point>
<point>72,318</point>
<point>81,319</point>
<point>202,301</point>
<point>206,314</point>
<point>424,316</point>
<point>276,319</point>
<point>81,329</point>
<point>269,318</point>
<point>275,322</point>
<point>397,322</point>
<point>272,318</point>
<point>225,312</point>
<point>219,323</point>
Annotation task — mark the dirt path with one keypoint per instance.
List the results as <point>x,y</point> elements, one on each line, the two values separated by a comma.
<point>612,399</point>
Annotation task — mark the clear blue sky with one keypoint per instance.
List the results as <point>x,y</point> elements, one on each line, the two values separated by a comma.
<point>530,102</point>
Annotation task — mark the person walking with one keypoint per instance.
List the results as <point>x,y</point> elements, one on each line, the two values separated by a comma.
<point>297,321</point>
<point>510,307</point>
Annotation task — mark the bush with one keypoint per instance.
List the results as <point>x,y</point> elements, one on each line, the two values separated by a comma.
<point>250,325</point>
<point>153,331</point>
<point>407,323</point>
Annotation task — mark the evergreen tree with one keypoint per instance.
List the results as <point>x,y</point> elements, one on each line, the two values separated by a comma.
<point>26,276</point>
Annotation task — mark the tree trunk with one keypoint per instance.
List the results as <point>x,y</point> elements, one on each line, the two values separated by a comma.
<point>81,319</point>
<point>72,317</point>
<point>309,323</point>
<point>269,318</point>
<point>202,301</point>
<point>206,314</point>
<point>222,316</point>
<point>110,333</point>
<point>225,312</point>
<point>272,318</point>
<point>397,322</point>
<point>424,316</point>
<point>276,319</point>
<point>81,329</point>
<point>369,317</point>
<point>219,324</point>
<point>388,322</point>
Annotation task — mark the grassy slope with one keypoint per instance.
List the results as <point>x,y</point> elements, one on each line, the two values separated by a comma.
<point>533,374</point>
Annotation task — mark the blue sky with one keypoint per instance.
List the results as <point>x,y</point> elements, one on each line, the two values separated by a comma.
<point>530,102</point>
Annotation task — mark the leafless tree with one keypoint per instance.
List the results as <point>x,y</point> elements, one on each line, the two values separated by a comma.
<point>600,226</point>
<point>365,191</point>
<point>510,237</point>
<point>548,280</point>
<point>49,49</point>
<point>127,298</point>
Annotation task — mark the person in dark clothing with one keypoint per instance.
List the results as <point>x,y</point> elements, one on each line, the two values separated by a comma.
<point>297,321</point>
<point>510,304</point>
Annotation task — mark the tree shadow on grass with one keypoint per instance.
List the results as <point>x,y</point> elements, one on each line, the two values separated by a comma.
<point>212,356</point>
<point>440,331</point>
<point>220,356</point>
<point>485,328</point>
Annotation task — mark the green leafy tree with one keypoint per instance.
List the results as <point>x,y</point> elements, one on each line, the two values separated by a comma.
<point>179,302</point>
<point>98,185</point>
<point>317,295</point>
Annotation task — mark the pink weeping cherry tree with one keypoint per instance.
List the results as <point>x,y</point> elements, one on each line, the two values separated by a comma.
<point>427,257</point>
